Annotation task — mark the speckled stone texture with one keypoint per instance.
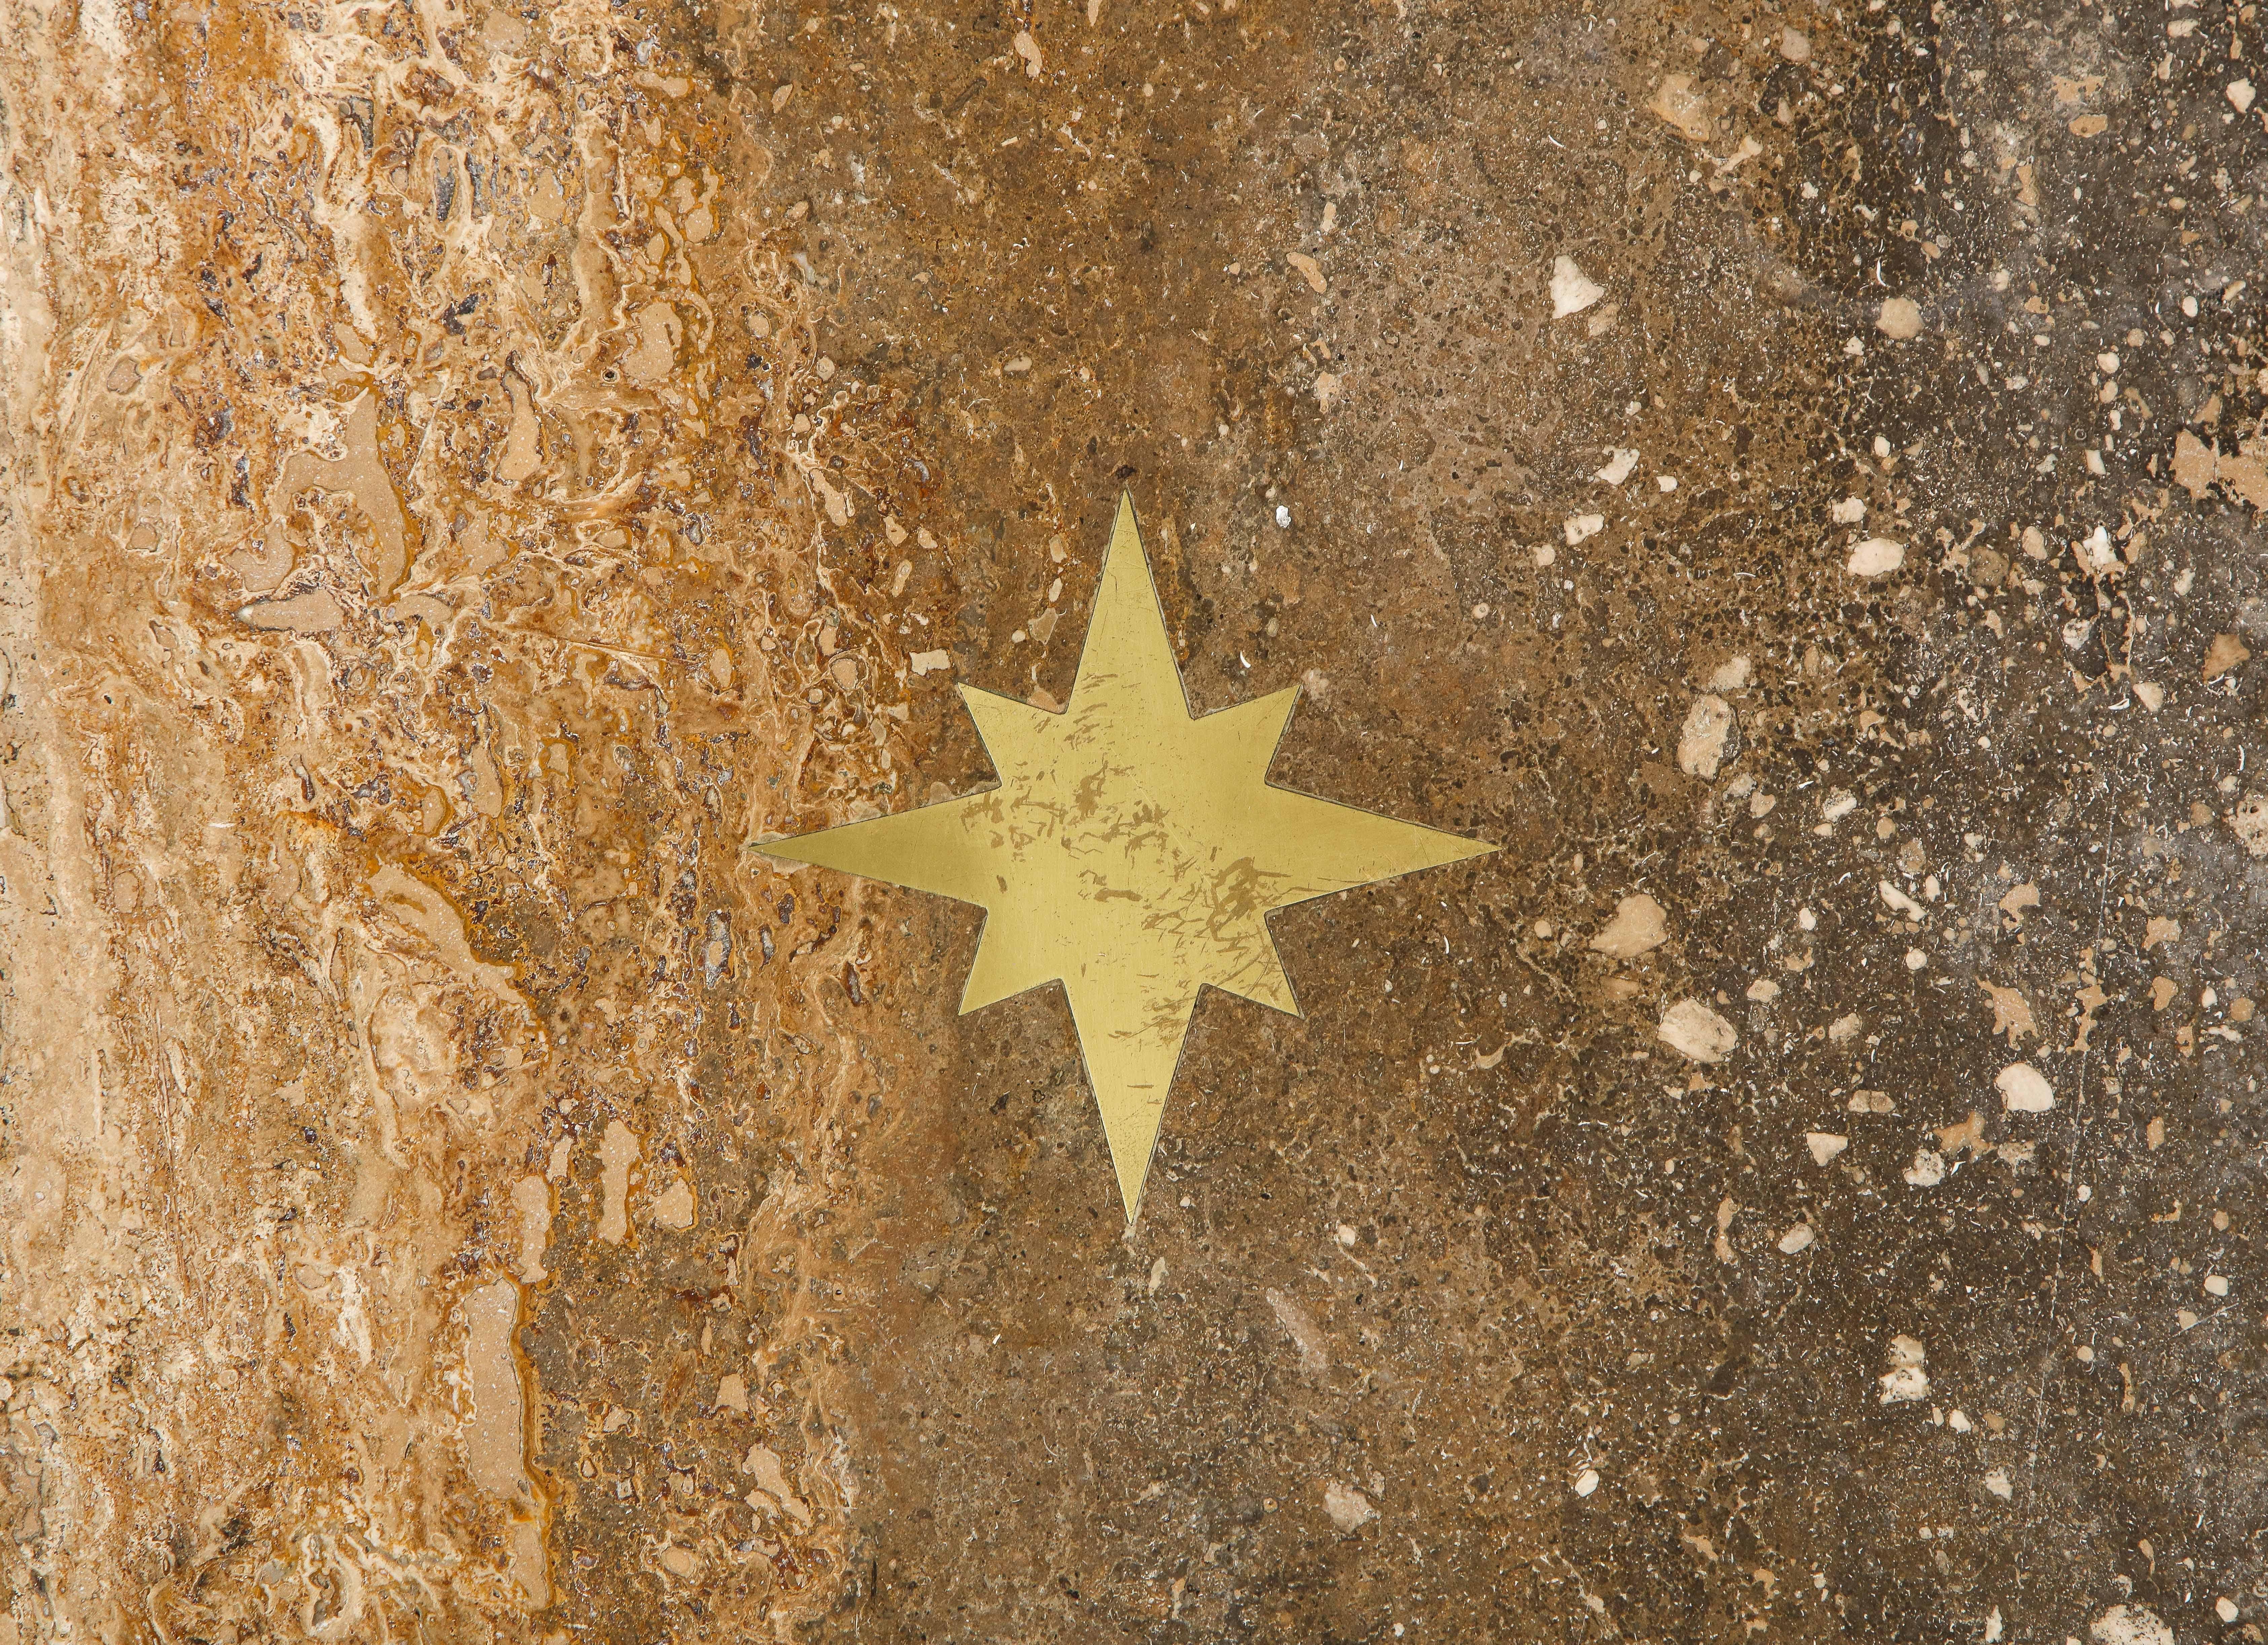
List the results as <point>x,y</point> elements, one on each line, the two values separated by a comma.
<point>1789,476</point>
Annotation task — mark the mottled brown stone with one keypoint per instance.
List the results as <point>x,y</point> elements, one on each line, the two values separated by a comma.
<point>468,472</point>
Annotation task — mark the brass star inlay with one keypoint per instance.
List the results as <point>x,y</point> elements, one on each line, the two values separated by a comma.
<point>1133,852</point>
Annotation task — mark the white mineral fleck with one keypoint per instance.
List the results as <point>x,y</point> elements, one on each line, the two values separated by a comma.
<point>1899,901</point>
<point>1640,924</point>
<point>1928,1170</point>
<point>1876,557</point>
<point>2023,1089</point>
<point>2250,820</point>
<point>1620,461</point>
<point>2131,1625</point>
<point>1677,103</point>
<point>1349,1509</point>
<point>1572,290</point>
<point>1906,1380</point>
<point>1701,741</point>
<point>1694,1029</point>
<point>1900,319</point>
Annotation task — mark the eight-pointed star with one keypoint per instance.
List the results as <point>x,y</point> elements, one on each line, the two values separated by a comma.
<point>1131,851</point>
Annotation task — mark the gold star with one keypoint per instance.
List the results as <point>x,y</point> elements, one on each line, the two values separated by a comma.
<point>1133,852</point>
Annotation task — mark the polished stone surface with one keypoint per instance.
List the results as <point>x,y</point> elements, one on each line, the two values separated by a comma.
<point>1788,477</point>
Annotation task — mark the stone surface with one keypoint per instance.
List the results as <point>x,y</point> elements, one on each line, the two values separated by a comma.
<point>470,470</point>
